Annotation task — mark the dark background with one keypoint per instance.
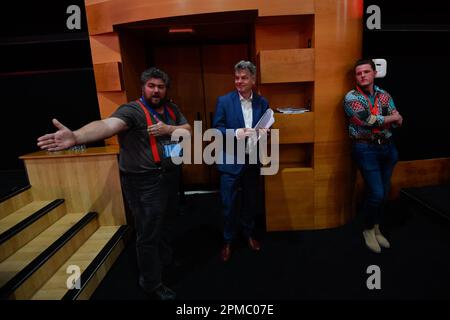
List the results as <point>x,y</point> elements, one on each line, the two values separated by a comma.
<point>46,72</point>
<point>414,39</point>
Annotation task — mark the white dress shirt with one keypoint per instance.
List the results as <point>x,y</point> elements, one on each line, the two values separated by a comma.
<point>247,112</point>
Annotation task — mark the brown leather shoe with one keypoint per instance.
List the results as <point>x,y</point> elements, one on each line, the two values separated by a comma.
<point>226,252</point>
<point>253,244</point>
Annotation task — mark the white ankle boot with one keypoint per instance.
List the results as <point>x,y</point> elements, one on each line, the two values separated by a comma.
<point>382,241</point>
<point>371,241</point>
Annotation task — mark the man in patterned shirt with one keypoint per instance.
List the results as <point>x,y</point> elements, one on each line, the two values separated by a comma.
<point>371,115</point>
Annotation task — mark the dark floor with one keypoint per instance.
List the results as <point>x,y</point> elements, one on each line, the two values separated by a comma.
<point>323,264</point>
<point>303,265</point>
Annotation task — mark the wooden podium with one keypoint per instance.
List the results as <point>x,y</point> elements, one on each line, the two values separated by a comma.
<point>87,180</point>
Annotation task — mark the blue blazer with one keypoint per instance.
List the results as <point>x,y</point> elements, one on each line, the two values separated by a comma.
<point>229,115</point>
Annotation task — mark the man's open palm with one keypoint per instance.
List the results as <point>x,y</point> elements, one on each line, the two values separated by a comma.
<point>62,139</point>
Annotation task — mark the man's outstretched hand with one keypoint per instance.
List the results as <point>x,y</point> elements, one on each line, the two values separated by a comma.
<point>62,139</point>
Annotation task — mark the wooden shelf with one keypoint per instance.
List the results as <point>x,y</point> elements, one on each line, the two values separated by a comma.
<point>281,95</point>
<point>284,32</point>
<point>287,65</point>
<point>296,155</point>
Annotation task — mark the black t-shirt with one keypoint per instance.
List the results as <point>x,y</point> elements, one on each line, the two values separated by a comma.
<point>135,150</point>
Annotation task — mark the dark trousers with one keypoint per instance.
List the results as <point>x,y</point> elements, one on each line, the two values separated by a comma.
<point>152,199</point>
<point>376,164</point>
<point>249,183</point>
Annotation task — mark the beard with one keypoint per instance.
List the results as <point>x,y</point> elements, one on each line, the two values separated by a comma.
<point>162,102</point>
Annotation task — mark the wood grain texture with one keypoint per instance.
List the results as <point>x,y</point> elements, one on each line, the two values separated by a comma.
<point>292,32</point>
<point>420,173</point>
<point>102,16</point>
<point>27,289</point>
<point>88,181</point>
<point>295,128</point>
<point>109,102</point>
<point>23,256</point>
<point>105,48</point>
<point>108,76</point>
<point>89,152</point>
<point>15,203</point>
<point>55,288</point>
<point>338,44</point>
<point>282,95</point>
<point>24,236</point>
<point>286,65</point>
<point>290,199</point>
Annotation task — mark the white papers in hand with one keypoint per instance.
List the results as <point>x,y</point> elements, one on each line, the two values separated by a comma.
<point>266,121</point>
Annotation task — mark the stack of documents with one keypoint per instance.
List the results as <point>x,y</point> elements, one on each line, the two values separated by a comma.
<point>290,110</point>
<point>266,121</point>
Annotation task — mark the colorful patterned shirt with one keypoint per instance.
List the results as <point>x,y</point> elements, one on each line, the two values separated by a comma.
<point>362,124</point>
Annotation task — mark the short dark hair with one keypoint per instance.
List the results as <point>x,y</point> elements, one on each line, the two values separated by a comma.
<point>156,74</point>
<point>365,61</point>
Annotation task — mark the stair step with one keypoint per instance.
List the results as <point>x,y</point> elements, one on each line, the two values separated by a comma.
<point>21,258</point>
<point>19,227</point>
<point>93,258</point>
<point>15,201</point>
<point>26,282</point>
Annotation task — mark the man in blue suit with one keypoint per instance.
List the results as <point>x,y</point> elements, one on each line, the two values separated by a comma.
<point>237,114</point>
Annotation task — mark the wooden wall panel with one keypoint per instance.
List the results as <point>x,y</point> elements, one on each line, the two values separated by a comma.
<point>420,173</point>
<point>295,128</point>
<point>102,16</point>
<point>105,48</point>
<point>288,65</point>
<point>338,44</point>
<point>290,199</point>
<point>110,101</point>
<point>91,2</point>
<point>87,181</point>
<point>108,76</point>
<point>99,17</point>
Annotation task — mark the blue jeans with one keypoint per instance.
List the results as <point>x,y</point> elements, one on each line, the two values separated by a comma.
<point>376,164</point>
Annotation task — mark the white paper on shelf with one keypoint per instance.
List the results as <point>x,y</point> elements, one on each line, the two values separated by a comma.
<point>291,110</point>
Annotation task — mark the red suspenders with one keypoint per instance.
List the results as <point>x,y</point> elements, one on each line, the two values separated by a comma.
<point>151,121</point>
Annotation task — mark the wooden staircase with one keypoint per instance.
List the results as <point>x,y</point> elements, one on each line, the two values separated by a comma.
<point>52,247</point>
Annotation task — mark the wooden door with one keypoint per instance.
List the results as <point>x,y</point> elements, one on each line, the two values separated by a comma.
<point>183,65</point>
